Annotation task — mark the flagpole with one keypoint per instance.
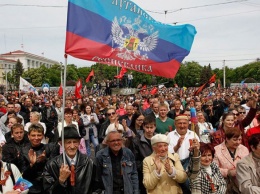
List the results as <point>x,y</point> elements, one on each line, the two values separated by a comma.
<point>63,107</point>
<point>224,74</point>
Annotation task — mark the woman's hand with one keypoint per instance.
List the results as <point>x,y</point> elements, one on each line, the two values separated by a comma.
<point>13,192</point>
<point>32,156</point>
<point>157,163</point>
<point>168,167</point>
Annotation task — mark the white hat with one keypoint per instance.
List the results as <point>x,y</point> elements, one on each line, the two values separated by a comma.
<point>159,138</point>
<point>112,127</point>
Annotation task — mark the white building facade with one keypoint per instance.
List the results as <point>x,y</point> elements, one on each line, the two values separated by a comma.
<point>29,60</point>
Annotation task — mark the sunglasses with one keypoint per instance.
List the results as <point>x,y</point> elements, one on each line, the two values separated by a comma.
<point>112,113</point>
<point>242,112</point>
<point>236,114</point>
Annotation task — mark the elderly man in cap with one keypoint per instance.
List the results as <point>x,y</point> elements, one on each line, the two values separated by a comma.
<point>75,176</point>
<point>181,142</point>
<point>162,170</point>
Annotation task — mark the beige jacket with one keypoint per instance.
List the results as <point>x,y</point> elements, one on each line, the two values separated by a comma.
<point>163,184</point>
<point>247,178</point>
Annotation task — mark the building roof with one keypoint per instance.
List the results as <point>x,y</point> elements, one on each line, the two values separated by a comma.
<point>23,53</point>
<point>8,60</point>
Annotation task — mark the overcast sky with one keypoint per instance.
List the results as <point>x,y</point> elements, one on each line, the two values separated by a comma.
<point>226,30</point>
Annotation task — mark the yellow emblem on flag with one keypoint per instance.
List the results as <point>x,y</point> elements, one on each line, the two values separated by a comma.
<point>131,43</point>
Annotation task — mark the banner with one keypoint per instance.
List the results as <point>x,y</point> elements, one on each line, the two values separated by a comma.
<point>25,86</point>
<point>122,34</point>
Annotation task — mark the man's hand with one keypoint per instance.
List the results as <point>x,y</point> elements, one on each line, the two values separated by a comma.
<point>64,173</point>
<point>177,147</point>
<point>32,156</point>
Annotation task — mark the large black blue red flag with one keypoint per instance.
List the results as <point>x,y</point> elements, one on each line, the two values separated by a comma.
<point>122,34</point>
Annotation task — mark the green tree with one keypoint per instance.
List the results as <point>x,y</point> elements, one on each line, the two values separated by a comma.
<point>18,72</point>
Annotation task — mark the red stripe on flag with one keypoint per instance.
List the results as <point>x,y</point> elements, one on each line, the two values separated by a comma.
<point>76,47</point>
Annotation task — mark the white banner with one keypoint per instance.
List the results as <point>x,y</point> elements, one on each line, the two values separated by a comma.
<point>26,86</point>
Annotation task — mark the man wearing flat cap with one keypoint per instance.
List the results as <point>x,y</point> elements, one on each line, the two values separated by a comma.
<point>181,141</point>
<point>162,170</point>
<point>76,176</point>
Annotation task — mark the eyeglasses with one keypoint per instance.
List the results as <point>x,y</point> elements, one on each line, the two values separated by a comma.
<point>236,114</point>
<point>139,119</point>
<point>115,140</point>
<point>112,113</point>
<point>242,112</point>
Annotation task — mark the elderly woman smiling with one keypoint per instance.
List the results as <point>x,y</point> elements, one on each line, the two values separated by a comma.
<point>162,170</point>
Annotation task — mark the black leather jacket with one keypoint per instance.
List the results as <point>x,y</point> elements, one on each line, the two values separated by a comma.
<point>12,151</point>
<point>85,172</point>
<point>34,173</point>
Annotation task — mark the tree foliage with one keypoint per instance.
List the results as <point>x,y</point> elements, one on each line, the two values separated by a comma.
<point>190,74</point>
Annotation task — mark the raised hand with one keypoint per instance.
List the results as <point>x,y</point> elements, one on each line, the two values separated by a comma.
<point>157,163</point>
<point>32,156</point>
<point>168,167</point>
<point>41,157</point>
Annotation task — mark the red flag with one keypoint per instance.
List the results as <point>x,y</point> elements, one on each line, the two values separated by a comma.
<point>154,91</point>
<point>90,75</point>
<point>78,87</point>
<point>60,91</point>
<point>211,80</point>
<point>121,74</point>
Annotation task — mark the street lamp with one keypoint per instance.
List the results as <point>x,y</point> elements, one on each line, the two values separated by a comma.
<point>61,70</point>
<point>6,81</point>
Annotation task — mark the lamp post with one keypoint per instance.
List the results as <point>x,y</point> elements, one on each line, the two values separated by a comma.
<point>61,70</point>
<point>6,81</point>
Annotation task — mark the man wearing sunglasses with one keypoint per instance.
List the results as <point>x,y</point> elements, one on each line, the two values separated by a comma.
<point>116,167</point>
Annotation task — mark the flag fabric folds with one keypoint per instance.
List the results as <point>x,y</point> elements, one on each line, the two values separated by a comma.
<point>90,75</point>
<point>26,86</point>
<point>122,34</point>
<point>60,91</point>
<point>121,73</point>
<point>211,80</point>
<point>78,87</point>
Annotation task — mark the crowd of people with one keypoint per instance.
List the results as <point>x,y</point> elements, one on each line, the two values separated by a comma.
<point>131,144</point>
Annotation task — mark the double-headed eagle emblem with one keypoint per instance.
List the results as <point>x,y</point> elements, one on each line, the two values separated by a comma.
<point>134,41</point>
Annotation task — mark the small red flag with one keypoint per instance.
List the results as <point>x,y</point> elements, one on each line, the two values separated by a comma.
<point>121,74</point>
<point>78,87</point>
<point>60,91</point>
<point>90,75</point>
<point>211,80</point>
<point>154,91</point>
